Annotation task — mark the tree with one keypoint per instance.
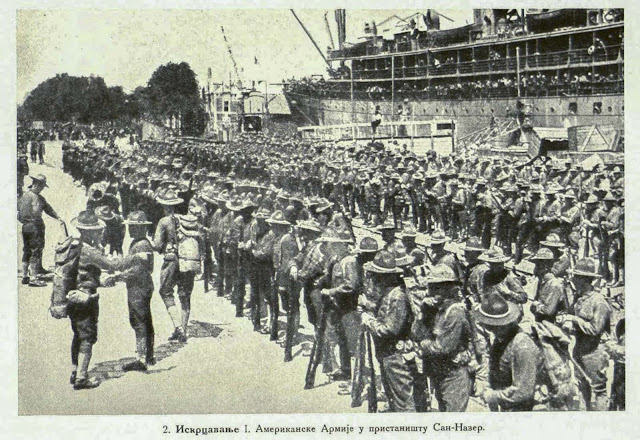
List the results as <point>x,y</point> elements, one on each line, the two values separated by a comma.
<point>173,91</point>
<point>65,98</point>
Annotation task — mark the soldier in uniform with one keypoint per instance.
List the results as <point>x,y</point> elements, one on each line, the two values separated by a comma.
<point>550,299</point>
<point>83,306</point>
<point>515,362</point>
<point>388,318</point>
<point>340,299</point>
<point>165,241</point>
<point>32,205</point>
<point>499,279</point>
<point>139,291</point>
<point>445,347</point>
<point>590,322</point>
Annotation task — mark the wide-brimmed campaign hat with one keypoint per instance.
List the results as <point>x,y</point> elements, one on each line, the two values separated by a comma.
<point>105,213</point>
<point>40,178</point>
<point>441,273</point>
<point>409,231</point>
<point>384,263</point>
<point>543,254</point>
<point>387,226</point>
<point>368,245</point>
<point>474,244</point>
<point>402,257</point>
<point>494,255</point>
<point>137,218</point>
<point>585,267</point>
<point>169,198</point>
<point>277,218</point>
<point>438,237</point>
<point>87,221</point>
<point>553,240</point>
<point>262,213</point>
<point>341,235</point>
<point>309,225</point>
<point>495,311</point>
<point>209,195</point>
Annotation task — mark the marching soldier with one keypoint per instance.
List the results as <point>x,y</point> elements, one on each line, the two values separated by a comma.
<point>139,291</point>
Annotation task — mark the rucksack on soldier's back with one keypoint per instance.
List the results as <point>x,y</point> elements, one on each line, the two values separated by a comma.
<point>554,346</point>
<point>188,246</point>
<point>67,258</point>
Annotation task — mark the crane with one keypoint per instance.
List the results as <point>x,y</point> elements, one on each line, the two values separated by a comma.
<point>233,60</point>
<point>239,79</point>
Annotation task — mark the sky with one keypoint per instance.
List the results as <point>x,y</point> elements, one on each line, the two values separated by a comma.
<point>126,46</point>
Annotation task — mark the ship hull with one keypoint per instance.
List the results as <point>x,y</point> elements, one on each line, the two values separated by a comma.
<point>470,114</point>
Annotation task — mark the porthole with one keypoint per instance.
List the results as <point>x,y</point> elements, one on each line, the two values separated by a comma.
<point>609,109</point>
<point>553,110</point>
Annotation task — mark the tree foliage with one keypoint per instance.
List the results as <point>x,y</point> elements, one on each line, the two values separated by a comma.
<point>172,91</point>
<point>68,98</point>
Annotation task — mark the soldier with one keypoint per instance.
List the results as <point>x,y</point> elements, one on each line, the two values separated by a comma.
<point>561,260</point>
<point>550,299</point>
<point>271,248</point>
<point>165,241</point>
<point>570,221</point>
<point>483,211</point>
<point>216,225</point>
<point>286,248</point>
<point>236,242</point>
<point>440,255</point>
<point>139,291</point>
<point>474,269</point>
<point>340,300</point>
<point>445,348</point>
<point>23,171</point>
<point>83,306</point>
<point>229,259</point>
<point>30,208</point>
<point>372,195</point>
<point>388,318</point>
<point>514,359</point>
<point>259,275</point>
<point>609,228</point>
<point>499,279</point>
<point>459,217</point>
<point>590,322</point>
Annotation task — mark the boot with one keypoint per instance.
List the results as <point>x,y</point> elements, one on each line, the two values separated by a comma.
<point>174,315</point>
<point>139,364</point>
<point>82,382</point>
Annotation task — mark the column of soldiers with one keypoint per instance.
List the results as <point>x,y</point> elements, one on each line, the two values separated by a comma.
<point>446,323</point>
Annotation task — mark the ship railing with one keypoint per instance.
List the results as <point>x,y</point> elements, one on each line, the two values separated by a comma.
<point>562,59</point>
<point>386,130</point>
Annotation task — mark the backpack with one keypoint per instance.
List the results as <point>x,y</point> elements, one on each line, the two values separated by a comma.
<point>188,246</point>
<point>554,347</point>
<point>67,258</point>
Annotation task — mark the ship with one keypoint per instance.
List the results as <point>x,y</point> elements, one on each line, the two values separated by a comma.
<point>553,68</point>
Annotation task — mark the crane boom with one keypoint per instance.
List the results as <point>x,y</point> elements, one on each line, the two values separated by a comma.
<point>233,60</point>
<point>304,28</point>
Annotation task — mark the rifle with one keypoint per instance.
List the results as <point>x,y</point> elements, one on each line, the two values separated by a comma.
<point>372,397</point>
<point>358,379</point>
<point>316,351</point>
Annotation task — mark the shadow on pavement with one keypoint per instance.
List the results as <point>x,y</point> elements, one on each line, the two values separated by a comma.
<point>109,370</point>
